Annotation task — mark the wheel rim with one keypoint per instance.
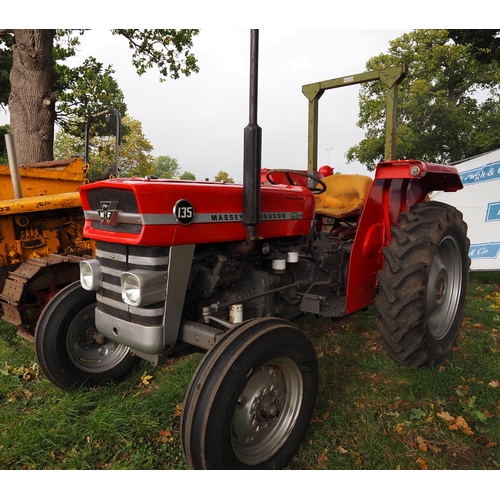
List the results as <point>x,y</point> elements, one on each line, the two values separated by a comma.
<point>444,288</point>
<point>266,411</point>
<point>89,350</point>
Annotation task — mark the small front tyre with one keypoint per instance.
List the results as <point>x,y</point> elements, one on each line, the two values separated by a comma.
<point>251,399</point>
<point>70,351</point>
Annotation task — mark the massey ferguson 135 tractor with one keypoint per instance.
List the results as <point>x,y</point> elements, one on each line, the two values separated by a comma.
<point>186,266</point>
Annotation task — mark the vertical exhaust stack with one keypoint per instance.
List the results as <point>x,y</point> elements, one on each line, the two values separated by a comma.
<point>252,151</point>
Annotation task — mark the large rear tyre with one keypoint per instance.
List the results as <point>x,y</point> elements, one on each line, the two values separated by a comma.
<point>423,284</point>
<point>251,399</point>
<point>70,351</point>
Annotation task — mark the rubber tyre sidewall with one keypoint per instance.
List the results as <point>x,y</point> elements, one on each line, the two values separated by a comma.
<point>210,414</point>
<point>50,343</point>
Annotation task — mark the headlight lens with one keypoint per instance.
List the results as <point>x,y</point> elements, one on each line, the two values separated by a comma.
<point>141,287</point>
<point>90,275</point>
<point>131,292</point>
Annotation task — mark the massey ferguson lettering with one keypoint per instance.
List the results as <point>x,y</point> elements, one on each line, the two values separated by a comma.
<point>238,217</point>
<point>227,217</point>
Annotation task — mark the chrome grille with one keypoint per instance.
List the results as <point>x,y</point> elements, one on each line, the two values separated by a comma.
<point>115,259</point>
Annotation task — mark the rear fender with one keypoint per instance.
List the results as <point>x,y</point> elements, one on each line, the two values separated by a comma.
<point>396,187</point>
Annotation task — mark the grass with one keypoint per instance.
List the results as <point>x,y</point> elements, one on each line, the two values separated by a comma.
<point>371,413</point>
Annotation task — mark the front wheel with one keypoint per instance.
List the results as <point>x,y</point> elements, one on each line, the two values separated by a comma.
<point>70,351</point>
<point>423,284</point>
<point>251,399</point>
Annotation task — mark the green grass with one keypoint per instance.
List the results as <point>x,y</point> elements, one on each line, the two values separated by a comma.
<point>371,413</point>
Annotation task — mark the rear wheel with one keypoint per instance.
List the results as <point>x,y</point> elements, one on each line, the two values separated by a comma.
<point>251,399</point>
<point>70,351</point>
<point>423,284</point>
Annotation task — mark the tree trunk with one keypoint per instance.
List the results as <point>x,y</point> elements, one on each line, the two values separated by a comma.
<point>31,102</point>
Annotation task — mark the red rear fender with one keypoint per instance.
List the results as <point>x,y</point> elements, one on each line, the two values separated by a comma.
<point>397,186</point>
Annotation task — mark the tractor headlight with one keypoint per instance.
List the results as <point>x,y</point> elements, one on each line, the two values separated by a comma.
<point>90,275</point>
<point>142,287</point>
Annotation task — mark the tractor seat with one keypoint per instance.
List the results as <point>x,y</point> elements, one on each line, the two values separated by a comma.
<point>345,194</point>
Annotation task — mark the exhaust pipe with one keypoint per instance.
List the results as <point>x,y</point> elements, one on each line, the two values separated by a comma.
<point>252,152</point>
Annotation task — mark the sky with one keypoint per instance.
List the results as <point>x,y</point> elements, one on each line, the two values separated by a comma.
<point>200,119</point>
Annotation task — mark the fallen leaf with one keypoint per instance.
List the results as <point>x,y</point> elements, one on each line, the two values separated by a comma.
<point>146,378</point>
<point>445,416</point>
<point>315,420</point>
<point>460,424</point>
<point>399,429</point>
<point>342,450</point>
<point>422,444</point>
<point>166,436</point>
<point>423,464</point>
<point>323,457</point>
<point>493,383</point>
<point>178,410</point>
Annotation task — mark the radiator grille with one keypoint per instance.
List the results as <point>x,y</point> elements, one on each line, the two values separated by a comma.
<point>115,259</point>
<point>126,203</point>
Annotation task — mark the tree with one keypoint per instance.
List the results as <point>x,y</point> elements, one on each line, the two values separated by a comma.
<point>449,106</point>
<point>187,176</point>
<point>85,91</point>
<point>134,154</point>
<point>485,44</point>
<point>37,80</point>
<point>166,167</point>
<point>223,176</point>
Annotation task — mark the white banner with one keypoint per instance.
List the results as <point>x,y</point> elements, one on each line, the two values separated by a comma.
<point>479,201</point>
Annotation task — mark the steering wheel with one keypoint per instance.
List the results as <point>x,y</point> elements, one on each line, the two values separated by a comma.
<point>315,190</point>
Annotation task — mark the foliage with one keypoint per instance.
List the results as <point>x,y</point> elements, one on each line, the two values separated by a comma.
<point>166,167</point>
<point>371,413</point>
<point>134,153</point>
<point>187,176</point>
<point>449,104</point>
<point>79,91</point>
<point>222,176</point>
<point>4,159</point>
<point>82,91</point>
<point>167,49</point>
<point>6,41</point>
<point>89,89</point>
<point>485,43</point>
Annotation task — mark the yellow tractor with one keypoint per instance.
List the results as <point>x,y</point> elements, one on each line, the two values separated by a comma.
<point>41,234</point>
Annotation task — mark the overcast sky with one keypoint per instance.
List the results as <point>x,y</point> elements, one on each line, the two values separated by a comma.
<point>199,120</point>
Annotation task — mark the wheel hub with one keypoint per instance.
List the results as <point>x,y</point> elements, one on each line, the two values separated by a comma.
<point>266,410</point>
<point>444,288</point>
<point>88,349</point>
<point>440,286</point>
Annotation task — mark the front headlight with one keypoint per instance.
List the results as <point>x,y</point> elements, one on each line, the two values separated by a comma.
<point>141,287</point>
<point>90,275</point>
<point>131,291</point>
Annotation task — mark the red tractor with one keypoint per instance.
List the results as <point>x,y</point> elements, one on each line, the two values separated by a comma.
<point>186,266</point>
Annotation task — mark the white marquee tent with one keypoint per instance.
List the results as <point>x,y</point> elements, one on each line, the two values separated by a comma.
<point>479,201</point>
